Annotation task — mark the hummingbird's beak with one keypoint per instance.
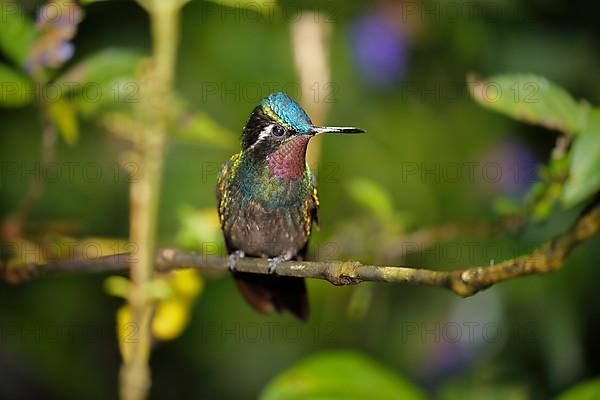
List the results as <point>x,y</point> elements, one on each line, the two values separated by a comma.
<point>323,130</point>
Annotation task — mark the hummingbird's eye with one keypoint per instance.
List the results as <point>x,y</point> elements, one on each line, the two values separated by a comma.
<point>278,131</point>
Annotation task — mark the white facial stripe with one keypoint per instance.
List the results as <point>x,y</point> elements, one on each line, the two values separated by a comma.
<point>264,134</point>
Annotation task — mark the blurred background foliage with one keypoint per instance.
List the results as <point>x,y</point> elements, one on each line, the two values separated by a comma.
<point>398,70</point>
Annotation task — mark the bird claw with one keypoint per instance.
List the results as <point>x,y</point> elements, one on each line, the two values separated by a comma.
<point>272,265</point>
<point>233,259</point>
<point>275,261</point>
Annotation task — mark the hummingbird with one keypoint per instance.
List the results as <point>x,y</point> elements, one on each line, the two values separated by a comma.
<point>267,202</point>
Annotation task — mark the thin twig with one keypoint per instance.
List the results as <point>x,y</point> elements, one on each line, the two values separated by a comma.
<point>34,191</point>
<point>397,248</point>
<point>12,226</point>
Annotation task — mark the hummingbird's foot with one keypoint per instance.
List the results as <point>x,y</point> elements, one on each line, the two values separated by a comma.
<point>234,258</point>
<point>275,261</point>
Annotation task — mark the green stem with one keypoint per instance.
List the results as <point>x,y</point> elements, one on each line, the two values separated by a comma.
<point>153,112</point>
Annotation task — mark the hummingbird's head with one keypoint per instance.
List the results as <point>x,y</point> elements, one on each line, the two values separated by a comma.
<point>279,124</point>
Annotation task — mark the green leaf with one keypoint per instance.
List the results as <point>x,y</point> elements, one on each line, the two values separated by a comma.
<point>532,99</point>
<point>101,67</point>
<point>584,177</point>
<point>64,117</point>
<point>372,196</point>
<point>15,89</point>
<point>102,80</point>
<point>339,375</point>
<point>587,390</point>
<point>117,286</point>
<point>17,32</point>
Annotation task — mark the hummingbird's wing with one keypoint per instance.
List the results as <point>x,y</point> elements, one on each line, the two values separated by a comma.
<point>312,214</point>
<point>313,203</point>
<point>222,190</point>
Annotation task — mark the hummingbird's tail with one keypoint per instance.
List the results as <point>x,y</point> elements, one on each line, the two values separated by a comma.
<point>270,292</point>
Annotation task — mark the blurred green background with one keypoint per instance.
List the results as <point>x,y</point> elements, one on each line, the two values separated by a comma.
<point>396,73</point>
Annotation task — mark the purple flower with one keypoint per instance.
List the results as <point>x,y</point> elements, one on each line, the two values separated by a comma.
<point>511,167</point>
<point>57,23</point>
<point>65,51</point>
<point>379,50</point>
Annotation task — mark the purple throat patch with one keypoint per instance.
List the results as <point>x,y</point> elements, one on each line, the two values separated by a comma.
<point>289,161</point>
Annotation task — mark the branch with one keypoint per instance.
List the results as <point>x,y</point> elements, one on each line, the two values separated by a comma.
<point>12,227</point>
<point>395,248</point>
<point>548,257</point>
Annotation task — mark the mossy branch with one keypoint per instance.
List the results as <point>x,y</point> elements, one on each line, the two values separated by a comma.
<point>548,257</point>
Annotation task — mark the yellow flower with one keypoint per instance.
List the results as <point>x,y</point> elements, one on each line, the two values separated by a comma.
<point>170,319</point>
<point>186,283</point>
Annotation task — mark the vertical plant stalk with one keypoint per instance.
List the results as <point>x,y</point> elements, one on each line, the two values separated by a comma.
<point>310,43</point>
<point>152,112</point>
